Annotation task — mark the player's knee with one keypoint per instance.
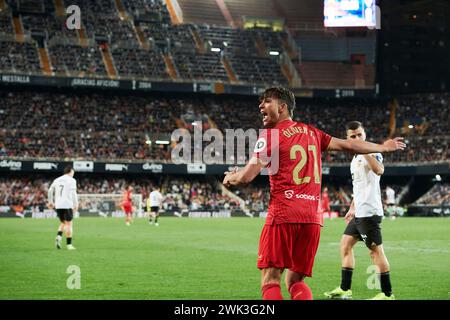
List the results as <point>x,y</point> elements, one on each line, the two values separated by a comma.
<point>290,281</point>
<point>372,254</point>
<point>346,248</point>
<point>68,227</point>
<point>375,252</point>
<point>271,275</point>
<point>271,278</point>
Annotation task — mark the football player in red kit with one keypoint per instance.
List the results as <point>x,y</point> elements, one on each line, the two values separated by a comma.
<point>127,206</point>
<point>326,202</point>
<point>291,152</point>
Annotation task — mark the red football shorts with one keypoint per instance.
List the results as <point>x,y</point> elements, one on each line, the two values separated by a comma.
<point>290,246</point>
<point>127,208</point>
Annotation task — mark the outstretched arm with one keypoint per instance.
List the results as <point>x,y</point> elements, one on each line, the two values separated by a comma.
<point>363,147</point>
<point>244,176</point>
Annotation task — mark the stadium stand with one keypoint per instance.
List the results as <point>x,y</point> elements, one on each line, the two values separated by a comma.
<point>198,66</point>
<point>69,57</point>
<point>131,39</point>
<point>174,38</point>
<point>91,135</point>
<point>181,193</point>
<point>155,10</point>
<point>327,74</point>
<point>201,11</point>
<point>77,61</point>
<point>48,26</point>
<point>137,39</point>
<point>296,13</point>
<point>139,63</point>
<point>5,24</point>
<point>439,194</point>
<point>19,57</point>
<point>253,8</point>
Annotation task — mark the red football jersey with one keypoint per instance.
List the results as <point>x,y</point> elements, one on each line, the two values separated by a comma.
<point>293,152</point>
<point>126,198</point>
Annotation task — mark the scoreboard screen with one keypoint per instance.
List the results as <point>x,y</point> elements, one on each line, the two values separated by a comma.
<point>350,13</point>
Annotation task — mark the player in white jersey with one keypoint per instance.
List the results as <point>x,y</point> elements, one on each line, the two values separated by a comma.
<point>156,199</point>
<point>62,196</point>
<point>390,196</point>
<point>363,220</point>
<point>391,209</point>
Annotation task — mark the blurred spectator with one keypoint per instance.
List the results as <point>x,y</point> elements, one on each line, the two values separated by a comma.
<point>436,196</point>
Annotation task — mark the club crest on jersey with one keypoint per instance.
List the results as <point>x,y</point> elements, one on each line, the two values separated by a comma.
<point>260,145</point>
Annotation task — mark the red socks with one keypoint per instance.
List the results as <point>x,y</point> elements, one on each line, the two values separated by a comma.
<point>271,291</point>
<point>300,291</point>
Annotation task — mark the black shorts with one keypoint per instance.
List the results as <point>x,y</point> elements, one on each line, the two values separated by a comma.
<point>366,229</point>
<point>64,214</point>
<point>154,209</point>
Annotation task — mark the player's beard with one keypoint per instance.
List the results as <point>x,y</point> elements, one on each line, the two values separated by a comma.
<point>269,121</point>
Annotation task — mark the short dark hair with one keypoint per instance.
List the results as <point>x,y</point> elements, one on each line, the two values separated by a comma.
<point>353,125</point>
<point>67,169</point>
<point>283,94</point>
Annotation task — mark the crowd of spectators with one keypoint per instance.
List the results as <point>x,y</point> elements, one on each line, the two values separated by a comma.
<point>195,195</point>
<point>139,63</point>
<point>5,24</point>
<point>148,10</point>
<point>82,126</point>
<point>180,194</point>
<point>49,26</point>
<point>76,60</point>
<point>436,196</point>
<point>102,126</point>
<point>23,192</point>
<point>19,57</point>
<point>256,196</point>
<point>183,194</point>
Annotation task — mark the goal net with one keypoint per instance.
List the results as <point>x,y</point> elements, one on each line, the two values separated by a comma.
<point>107,205</point>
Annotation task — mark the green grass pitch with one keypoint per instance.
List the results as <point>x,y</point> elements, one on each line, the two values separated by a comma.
<point>210,259</point>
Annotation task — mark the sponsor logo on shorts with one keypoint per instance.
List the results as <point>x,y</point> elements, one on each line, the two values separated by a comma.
<point>289,194</point>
